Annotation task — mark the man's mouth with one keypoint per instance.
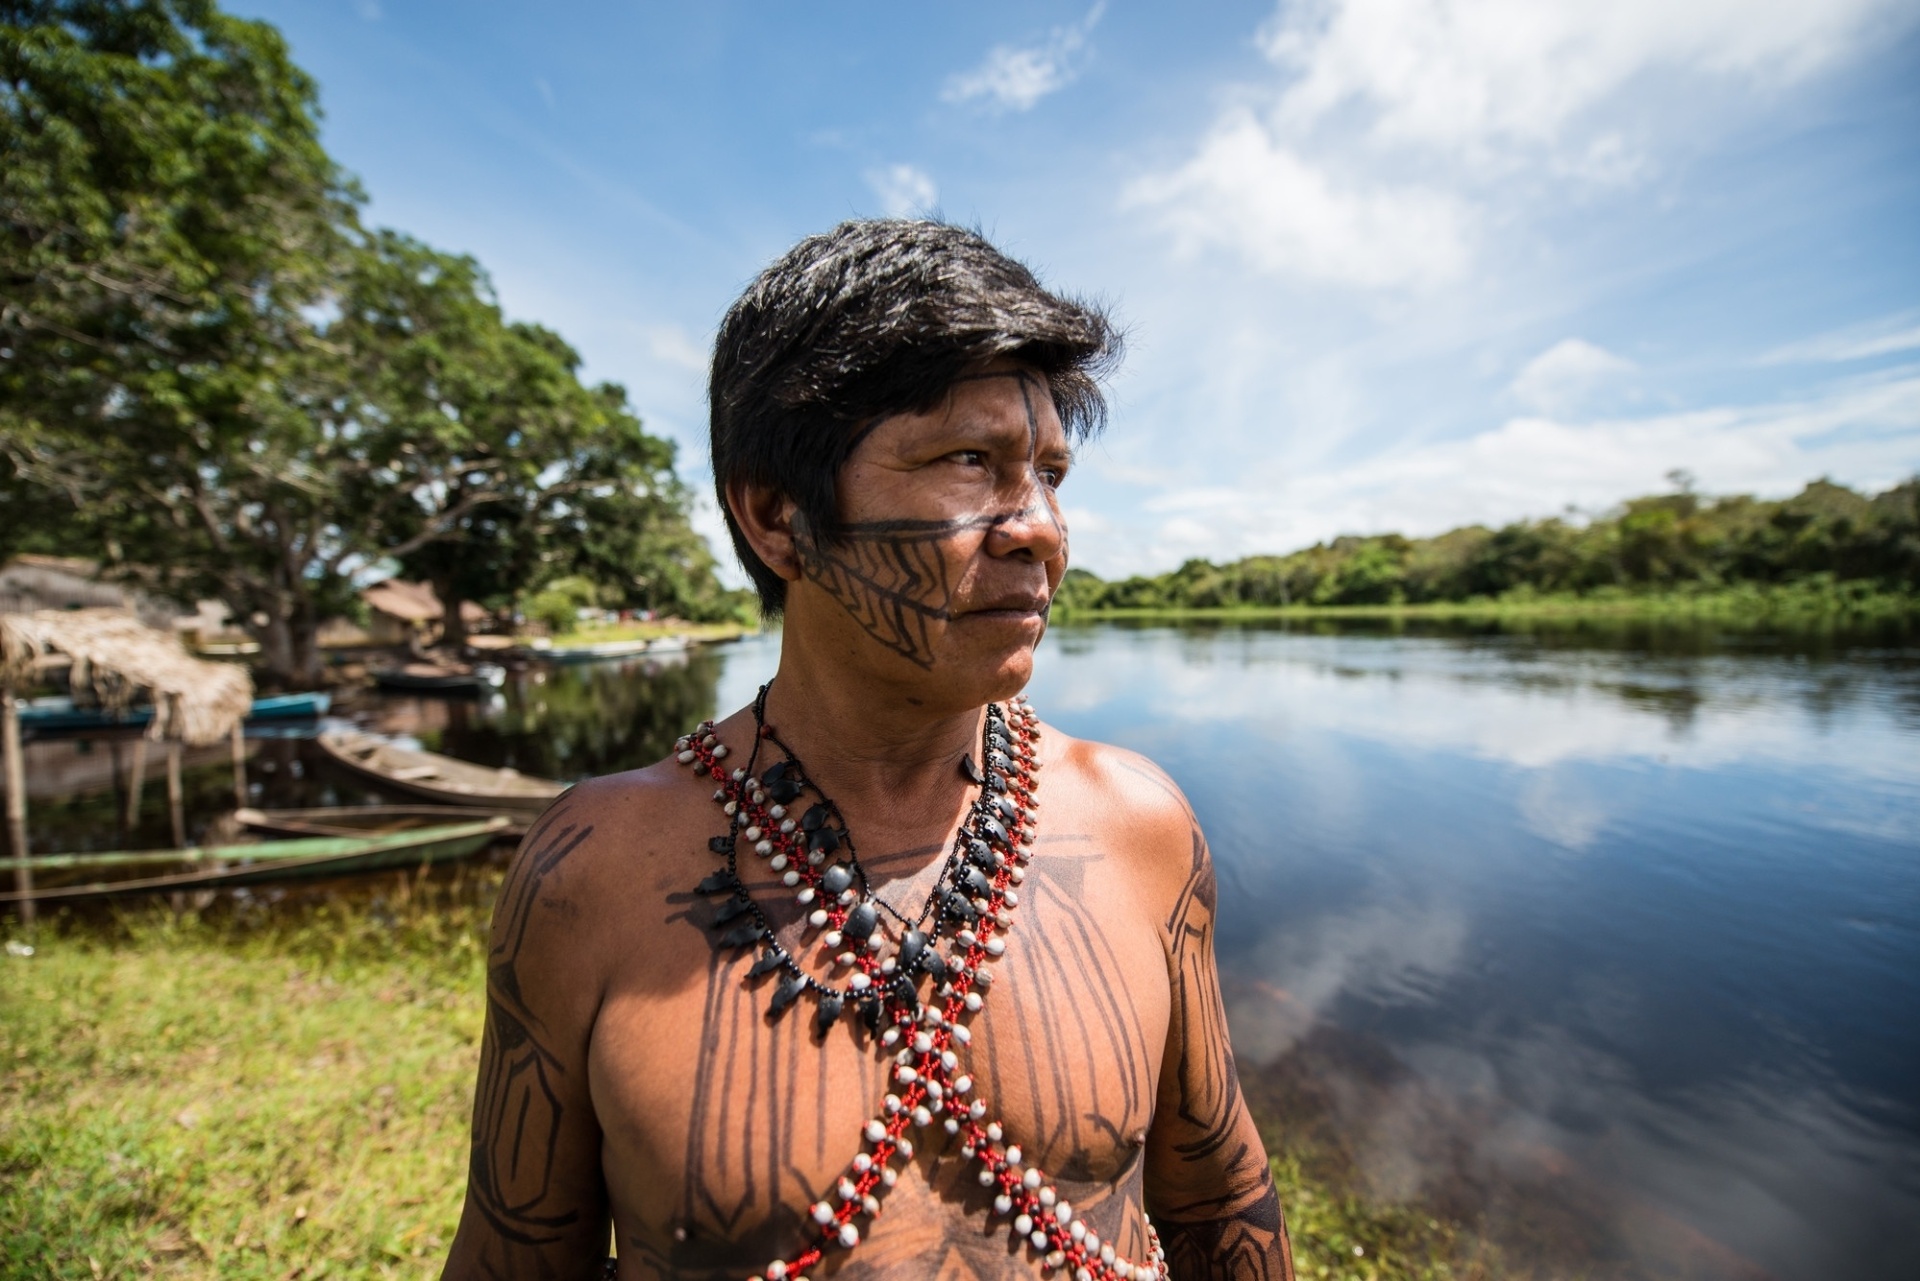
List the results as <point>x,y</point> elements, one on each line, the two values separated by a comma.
<point>1021,605</point>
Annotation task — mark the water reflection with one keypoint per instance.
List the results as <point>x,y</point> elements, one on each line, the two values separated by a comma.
<point>1614,936</point>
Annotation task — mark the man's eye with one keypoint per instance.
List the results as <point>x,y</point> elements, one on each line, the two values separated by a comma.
<point>968,457</point>
<point>1052,476</point>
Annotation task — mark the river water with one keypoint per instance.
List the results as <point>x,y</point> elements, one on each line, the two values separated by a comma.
<point>1605,939</point>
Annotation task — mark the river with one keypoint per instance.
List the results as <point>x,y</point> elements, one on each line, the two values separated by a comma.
<point>1605,938</point>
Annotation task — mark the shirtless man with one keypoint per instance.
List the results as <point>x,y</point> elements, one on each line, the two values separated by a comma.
<point>841,989</point>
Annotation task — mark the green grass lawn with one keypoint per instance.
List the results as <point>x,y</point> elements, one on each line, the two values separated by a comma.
<point>283,1093</point>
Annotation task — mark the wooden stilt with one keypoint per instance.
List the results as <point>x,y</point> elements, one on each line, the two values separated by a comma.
<point>16,767</point>
<point>176,808</point>
<point>137,778</point>
<point>239,768</point>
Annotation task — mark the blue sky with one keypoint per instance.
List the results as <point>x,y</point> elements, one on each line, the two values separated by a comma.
<point>1386,264</point>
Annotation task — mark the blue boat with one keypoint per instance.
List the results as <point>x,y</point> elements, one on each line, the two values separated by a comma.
<point>59,714</point>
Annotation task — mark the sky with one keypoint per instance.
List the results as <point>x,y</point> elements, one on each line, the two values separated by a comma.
<point>1383,264</point>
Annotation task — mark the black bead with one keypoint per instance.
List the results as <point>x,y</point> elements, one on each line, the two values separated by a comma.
<point>826,840</point>
<point>771,959</point>
<point>731,908</point>
<point>775,772</point>
<point>870,1012</point>
<point>1008,810</point>
<point>997,759</point>
<point>996,783</point>
<point>976,883</point>
<point>721,845</point>
<point>861,921</point>
<point>979,852</point>
<point>814,818</point>
<point>958,906</point>
<point>993,831</point>
<point>971,770</point>
<point>837,878</point>
<point>829,1010</point>
<point>936,967</point>
<point>912,944</point>
<point>715,884</point>
<point>784,791</point>
<point>742,935</point>
<point>785,993</point>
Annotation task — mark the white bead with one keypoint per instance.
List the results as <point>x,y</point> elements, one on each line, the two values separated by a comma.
<point>831,938</point>
<point>949,1060</point>
<point>1048,1196</point>
<point>973,1001</point>
<point>847,1191</point>
<point>1081,1274</point>
<point>1093,1240</point>
<point>862,1163</point>
<point>786,825</point>
<point>952,1126</point>
<point>962,1035</point>
<point>686,757</point>
<point>1031,1179</point>
<point>778,862</point>
<point>1078,1231</point>
<point>845,958</point>
<point>778,811</point>
<point>922,1042</point>
<point>731,808</point>
<point>1013,1153</point>
<point>994,1131</point>
<point>986,1178</point>
<point>790,880</point>
<point>1012,898</point>
<point>1039,1239</point>
<point>890,1037</point>
<point>978,1110</point>
<point>1063,1212</point>
<point>887,966</point>
<point>876,1131</point>
<point>720,752</point>
<point>870,1203</point>
<point>892,1103</point>
<point>776,1270</point>
<point>817,917</point>
<point>889,1175</point>
<point>1023,1224</point>
<point>822,1212</point>
<point>1003,1204</point>
<point>752,833</point>
<point>905,1075</point>
<point>859,982</point>
<point>984,977</point>
<point>1106,1254</point>
<point>961,1084</point>
<point>905,1145</point>
<point>849,1235</point>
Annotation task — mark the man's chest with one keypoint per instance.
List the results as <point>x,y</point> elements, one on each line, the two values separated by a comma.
<point>722,1126</point>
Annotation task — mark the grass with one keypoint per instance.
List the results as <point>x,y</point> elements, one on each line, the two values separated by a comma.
<point>283,1093</point>
<point>594,633</point>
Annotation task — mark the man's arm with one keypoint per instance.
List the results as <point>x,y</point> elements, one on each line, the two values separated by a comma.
<point>536,1202</point>
<point>1208,1183</point>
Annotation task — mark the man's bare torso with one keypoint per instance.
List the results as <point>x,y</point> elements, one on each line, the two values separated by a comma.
<point>719,1127</point>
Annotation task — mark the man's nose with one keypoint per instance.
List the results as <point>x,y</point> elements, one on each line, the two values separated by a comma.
<point>1033,530</point>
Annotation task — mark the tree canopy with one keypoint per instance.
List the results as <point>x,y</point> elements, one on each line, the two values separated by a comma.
<point>1660,542</point>
<point>214,378</point>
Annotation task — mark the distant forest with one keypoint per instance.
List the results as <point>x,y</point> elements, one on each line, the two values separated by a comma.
<point>1676,542</point>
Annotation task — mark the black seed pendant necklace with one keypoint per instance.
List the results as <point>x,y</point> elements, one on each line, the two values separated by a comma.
<point>971,905</point>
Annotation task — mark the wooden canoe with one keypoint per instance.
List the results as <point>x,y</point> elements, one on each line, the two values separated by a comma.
<point>433,678</point>
<point>59,714</point>
<point>440,779</point>
<point>359,820</point>
<point>231,866</point>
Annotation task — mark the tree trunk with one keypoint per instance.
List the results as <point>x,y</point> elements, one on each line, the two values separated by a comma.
<point>453,628</point>
<point>290,655</point>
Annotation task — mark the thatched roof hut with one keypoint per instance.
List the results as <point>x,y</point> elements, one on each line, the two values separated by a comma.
<point>117,658</point>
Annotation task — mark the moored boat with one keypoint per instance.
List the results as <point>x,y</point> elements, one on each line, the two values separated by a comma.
<point>58,713</point>
<point>437,678</point>
<point>435,777</point>
<point>66,877</point>
<point>359,820</point>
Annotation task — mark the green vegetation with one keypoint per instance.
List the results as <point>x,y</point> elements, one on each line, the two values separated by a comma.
<point>1825,551</point>
<point>265,1094</point>
<point>216,381</point>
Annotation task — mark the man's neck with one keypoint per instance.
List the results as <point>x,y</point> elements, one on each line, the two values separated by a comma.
<point>867,746</point>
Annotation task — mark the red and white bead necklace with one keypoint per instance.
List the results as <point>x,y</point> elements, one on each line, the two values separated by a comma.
<point>976,896</point>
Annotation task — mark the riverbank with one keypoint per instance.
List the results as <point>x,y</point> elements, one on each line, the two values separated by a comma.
<point>1807,603</point>
<point>284,1092</point>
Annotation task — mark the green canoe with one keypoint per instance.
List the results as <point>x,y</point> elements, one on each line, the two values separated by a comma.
<point>227,866</point>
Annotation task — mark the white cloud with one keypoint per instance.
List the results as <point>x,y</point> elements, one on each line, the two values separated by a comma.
<point>1245,190</point>
<point>1015,77</point>
<point>1371,160</point>
<point>1470,75</point>
<point>671,345</point>
<point>1865,433</point>
<point>1565,374</point>
<point>1888,336</point>
<point>903,190</point>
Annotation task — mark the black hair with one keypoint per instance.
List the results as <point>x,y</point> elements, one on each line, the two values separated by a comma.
<point>874,318</point>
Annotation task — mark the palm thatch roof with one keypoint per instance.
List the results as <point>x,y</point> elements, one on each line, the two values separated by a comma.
<point>119,658</point>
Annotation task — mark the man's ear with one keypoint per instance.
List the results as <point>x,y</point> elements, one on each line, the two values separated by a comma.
<point>769,521</point>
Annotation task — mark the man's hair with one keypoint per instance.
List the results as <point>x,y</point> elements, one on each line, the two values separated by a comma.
<point>875,318</point>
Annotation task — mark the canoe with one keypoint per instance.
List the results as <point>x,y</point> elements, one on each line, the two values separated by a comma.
<point>359,820</point>
<point>59,713</point>
<point>430,678</point>
<point>231,866</point>
<point>438,778</point>
<point>599,651</point>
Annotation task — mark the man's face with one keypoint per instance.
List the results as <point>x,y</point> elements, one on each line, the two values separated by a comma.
<point>953,541</point>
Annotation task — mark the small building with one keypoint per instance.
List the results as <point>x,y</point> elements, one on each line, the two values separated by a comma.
<point>398,611</point>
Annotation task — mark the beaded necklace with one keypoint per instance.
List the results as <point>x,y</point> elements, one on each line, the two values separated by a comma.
<point>972,904</point>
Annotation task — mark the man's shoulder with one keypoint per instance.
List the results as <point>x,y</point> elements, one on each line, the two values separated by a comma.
<point>1129,804</point>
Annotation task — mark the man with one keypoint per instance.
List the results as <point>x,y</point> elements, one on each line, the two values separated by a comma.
<point>842,988</point>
